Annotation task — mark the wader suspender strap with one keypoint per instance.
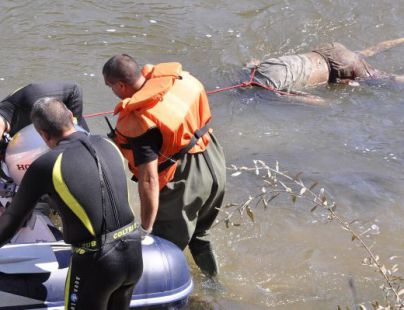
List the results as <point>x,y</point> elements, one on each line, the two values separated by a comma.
<point>173,159</point>
<point>215,184</point>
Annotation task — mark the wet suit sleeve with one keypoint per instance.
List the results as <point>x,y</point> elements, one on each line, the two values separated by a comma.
<point>16,108</point>
<point>146,147</point>
<point>7,110</point>
<point>74,103</point>
<point>33,186</point>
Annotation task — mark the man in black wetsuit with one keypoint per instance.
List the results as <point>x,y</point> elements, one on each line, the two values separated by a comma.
<point>15,112</point>
<point>85,177</point>
<point>16,108</point>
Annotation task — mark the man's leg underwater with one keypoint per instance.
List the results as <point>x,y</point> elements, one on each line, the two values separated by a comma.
<point>200,244</point>
<point>189,201</point>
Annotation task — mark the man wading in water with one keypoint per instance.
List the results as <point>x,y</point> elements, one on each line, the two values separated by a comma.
<point>163,130</point>
<point>327,63</point>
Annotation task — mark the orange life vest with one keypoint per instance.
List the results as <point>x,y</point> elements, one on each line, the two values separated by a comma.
<point>176,103</point>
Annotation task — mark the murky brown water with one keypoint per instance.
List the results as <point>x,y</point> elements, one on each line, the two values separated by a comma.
<point>290,259</point>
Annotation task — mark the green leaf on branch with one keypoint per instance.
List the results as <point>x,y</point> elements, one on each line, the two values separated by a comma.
<point>229,205</point>
<point>401,292</point>
<point>270,182</point>
<point>273,197</point>
<point>250,213</point>
<point>297,176</point>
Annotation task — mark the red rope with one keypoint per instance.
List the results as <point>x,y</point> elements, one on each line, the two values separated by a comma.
<point>244,84</point>
<point>98,114</point>
<point>249,83</point>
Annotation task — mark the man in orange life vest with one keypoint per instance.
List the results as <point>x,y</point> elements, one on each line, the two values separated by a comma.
<point>163,132</point>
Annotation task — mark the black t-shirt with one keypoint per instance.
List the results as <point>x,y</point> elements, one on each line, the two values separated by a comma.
<point>146,147</point>
<point>69,175</point>
<point>16,108</point>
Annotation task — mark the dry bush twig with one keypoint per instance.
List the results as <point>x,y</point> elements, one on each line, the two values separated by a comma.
<point>276,183</point>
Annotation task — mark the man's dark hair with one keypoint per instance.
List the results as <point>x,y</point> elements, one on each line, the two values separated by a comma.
<point>51,116</point>
<point>121,68</point>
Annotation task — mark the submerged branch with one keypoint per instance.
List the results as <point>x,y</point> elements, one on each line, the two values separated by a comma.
<point>276,183</point>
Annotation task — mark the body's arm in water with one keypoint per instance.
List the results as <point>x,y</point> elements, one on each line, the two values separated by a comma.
<point>307,99</point>
<point>381,47</point>
<point>398,78</point>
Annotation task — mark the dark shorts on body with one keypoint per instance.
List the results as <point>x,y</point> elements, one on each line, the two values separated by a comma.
<point>344,63</point>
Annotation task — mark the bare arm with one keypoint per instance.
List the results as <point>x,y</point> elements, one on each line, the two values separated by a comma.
<point>306,98</point>
<point>398,78</point>
<point>148,193</point>
<point>4,126</point>
<point>381,47</point>
<point>74,103</point>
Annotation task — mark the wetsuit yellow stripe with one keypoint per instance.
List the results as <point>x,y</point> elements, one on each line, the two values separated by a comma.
<point>67,197</point>
<point>67,284</point>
